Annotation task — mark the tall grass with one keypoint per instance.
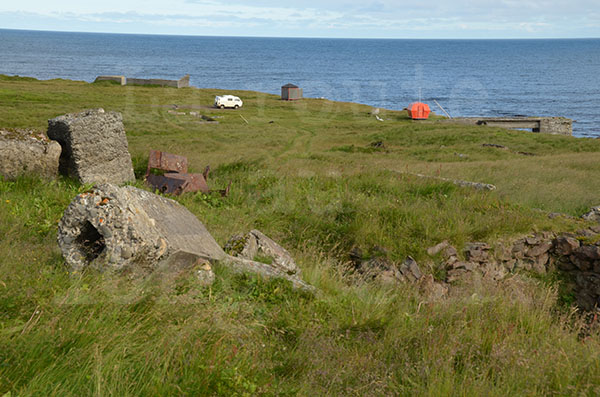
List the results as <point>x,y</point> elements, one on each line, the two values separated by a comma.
<point>296,180</point>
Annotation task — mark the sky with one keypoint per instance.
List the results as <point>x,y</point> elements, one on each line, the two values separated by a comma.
<point>478,19</point>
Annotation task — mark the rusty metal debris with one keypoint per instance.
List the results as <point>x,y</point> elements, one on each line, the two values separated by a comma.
<point>176,180</point>
<point>166,162</point>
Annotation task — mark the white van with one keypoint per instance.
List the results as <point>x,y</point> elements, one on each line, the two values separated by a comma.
<point>228,101</point>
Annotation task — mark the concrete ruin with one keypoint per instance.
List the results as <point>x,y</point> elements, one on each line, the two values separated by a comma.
<point>255,244</point>
<point>122,80</point>
<point>543,125</point>
<point>126,228</point>
<point>181,83</point>
<point>94,146</point>
<point>25,152</point>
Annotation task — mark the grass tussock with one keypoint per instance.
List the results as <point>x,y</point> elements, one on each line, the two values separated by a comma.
<point>306,174</point>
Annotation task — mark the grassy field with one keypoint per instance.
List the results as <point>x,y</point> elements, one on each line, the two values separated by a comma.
<point>306,174</point>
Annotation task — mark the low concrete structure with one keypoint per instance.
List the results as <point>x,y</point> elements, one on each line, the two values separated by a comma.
<point>544,125</point>
<point>119,79</point>
<point>181,83</point>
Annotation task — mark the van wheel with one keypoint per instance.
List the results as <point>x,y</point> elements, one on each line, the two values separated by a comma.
<point>222,106</point>
<point>236,107</point>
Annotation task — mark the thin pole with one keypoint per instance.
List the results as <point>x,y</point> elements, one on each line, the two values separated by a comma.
<point>443,110</point>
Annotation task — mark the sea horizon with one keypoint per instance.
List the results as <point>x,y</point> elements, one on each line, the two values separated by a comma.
<point>469,77</point>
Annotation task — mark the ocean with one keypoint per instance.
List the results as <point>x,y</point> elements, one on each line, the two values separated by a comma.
<point>558,77</point>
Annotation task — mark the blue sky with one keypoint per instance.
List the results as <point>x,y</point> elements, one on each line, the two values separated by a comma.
<point>313,18</point>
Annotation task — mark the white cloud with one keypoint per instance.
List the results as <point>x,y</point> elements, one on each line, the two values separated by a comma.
<point>350,18</point>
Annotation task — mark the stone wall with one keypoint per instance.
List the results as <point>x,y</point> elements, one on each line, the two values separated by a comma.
<point>575,254</point>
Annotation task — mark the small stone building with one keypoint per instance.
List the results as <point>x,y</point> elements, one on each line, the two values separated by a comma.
<point>291,92</point>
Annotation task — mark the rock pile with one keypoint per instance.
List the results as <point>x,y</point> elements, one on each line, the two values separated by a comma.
<point>115,228</point>
<point>27,152</point>
<point>94,146</point>
<point>379,268</point>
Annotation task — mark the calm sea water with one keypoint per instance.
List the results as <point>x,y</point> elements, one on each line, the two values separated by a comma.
<point>468,77</point>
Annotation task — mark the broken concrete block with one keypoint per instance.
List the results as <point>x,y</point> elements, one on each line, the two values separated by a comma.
<point>24,152</point>
<point>256,244</point>
<point>94,146</point>
<point>114,228</point>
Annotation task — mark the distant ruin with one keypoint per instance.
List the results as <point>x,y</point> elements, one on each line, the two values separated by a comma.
<point>181,83</point>
<point>543,125</point>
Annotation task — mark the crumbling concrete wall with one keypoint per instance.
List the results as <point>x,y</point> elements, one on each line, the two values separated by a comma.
<point>181,83</point>
<point>119,79</point>
<point>94,146</point>
<point>544,125</point>
<point>24,152</point>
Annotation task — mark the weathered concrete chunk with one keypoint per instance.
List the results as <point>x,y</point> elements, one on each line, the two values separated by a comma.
<point>94,146</point>
<point>115,228</point>
<point>255,243</point>
<point>112,227</point>
<point>24,152</point>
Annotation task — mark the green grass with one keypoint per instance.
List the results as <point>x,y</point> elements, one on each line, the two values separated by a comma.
<point>312,181</point>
